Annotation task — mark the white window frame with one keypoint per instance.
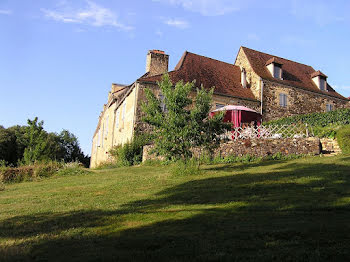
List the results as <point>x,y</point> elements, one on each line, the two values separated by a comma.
<point>106,126</point>
<point>124,108</point>
<point>329,107</point>
<point>117,119</point>
<point>99,137</point>
<point>283,100</point>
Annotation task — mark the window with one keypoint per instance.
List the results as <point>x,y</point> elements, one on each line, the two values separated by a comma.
<point>124,107</point>
<point>283,100</point>
<point>322,84</point>
<point>106,126</point>
<point>99,137</point>
<point>103,131</point>
<point>117,119</point>
<point>162,102</point>
<point>329,107</point>
<point>277,72</point>
<point>217,105</point>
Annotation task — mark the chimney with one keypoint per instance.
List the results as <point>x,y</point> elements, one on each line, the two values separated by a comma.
<point>320,80</point>
<point>156,62</point>
<point>243,77</point>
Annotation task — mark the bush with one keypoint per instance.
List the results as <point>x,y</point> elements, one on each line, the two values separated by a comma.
<point>182,167</point>
<point>131,152</point>
<point>38,170</point>
<point>73,168</point>
<point>343,137</point>
<point>337,117</point>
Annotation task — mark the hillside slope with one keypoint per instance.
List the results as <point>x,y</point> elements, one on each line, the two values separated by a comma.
<point>275,210</point>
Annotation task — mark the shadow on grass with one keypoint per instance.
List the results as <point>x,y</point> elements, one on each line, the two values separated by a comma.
<point>292,213</point>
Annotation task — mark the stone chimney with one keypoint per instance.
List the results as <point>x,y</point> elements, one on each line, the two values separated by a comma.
<point>156,62</point>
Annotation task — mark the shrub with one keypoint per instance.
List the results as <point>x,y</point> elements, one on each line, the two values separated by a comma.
<point>73,168</point>
<point>39,170</point>
<point>337,117</point>
<point>131,152</point>
<point>182,167</point>
<point>343,137</point>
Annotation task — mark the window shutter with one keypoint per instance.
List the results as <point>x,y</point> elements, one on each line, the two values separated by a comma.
<point>281,99</point>
<point>285,100</point>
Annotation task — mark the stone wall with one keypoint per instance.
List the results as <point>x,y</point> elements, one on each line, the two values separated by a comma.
<point>299,101</point>
<point>266,147</point>
<point>259,147</point>
<point>253,80</point>
<point>329,146</point>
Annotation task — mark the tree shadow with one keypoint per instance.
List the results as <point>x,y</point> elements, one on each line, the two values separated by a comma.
<point>296,212</point>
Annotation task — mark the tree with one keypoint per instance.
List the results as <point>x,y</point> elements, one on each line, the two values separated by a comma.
<point>185,123</point>
<point>27,144</point>
<point>37,146</point>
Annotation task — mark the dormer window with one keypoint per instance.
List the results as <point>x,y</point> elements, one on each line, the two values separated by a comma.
<point>274,65</point>
<point>320,80</point>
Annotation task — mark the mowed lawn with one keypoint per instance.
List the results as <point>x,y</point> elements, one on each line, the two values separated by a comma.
<point>297,210</point>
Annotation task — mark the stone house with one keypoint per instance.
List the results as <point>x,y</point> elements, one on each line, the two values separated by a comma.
<point>272,85</point>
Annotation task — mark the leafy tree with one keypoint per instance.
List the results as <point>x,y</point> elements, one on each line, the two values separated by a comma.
<point>185,123</point>
<point>27,144</point>
<point>37,147</point>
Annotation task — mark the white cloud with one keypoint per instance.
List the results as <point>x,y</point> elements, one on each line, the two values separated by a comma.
<point>92,14</point>
<point>179,23</point>
<point>207,7</point>
<point>5,12</point>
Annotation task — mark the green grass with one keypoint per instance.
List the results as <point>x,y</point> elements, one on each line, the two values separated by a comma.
<point>295,210</point>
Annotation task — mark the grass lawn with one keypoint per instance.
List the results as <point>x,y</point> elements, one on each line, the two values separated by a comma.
<point>297,210</point>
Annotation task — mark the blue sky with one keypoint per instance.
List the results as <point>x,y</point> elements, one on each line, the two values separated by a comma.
<point>59,58</point>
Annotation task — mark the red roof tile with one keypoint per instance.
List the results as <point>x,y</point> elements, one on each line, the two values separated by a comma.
<point>274,60</point>
<point>294,74</point>
<point>318,73</point>
<point>224,77</point>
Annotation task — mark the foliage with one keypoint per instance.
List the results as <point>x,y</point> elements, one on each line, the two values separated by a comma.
<point>184,168</point>
<point>336,117</point>
<point>72,168</point>
<point>37,146</point>
<point>321,124</point>
<point>130,153</point>
<point>185,123</point>
<point>30,172</point>
<point>343,138</point>
<point>39,170</point>
<point>28,144</point>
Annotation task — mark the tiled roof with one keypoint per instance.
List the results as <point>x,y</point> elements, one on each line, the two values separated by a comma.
<point>224,77</point>
<point>294,74</point>
<point>274,60</point>
<point>318,73</point>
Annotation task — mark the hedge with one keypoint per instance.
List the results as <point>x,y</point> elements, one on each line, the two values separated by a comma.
<point>336,117</point>
<point>343,137</point>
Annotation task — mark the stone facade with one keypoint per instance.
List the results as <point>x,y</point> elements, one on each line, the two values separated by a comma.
<point>299,101</point>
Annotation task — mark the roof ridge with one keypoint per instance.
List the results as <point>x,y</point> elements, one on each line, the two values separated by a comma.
<point>211,58</point>
<point>277,57</point>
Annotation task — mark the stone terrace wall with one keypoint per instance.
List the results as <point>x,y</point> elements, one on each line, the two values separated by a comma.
<point>260,147</point>
<point>265,147</point>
